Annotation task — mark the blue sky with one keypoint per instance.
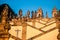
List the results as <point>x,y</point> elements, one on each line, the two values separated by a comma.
<point>25,5</point>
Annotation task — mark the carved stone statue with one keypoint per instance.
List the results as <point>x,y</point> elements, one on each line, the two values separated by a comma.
<point>4,26</point>
<point>4,14</point>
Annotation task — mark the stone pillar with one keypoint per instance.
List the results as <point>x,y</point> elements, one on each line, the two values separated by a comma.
<point>33,22</point>
<point>24,27</point>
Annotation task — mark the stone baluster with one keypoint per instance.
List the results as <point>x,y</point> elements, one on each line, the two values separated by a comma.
<point>24,27</point>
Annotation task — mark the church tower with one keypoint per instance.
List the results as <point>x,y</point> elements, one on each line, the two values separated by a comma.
<point>39,13</point>
<point>54,12</point>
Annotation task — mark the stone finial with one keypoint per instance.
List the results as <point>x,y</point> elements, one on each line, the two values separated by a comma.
<point>33,14</point>
<point>54,9</point>
<point>46,15</point>
<point>28,13</point>
<point>39,12</point>
<point>54,12</point>
<point>20,13</point>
